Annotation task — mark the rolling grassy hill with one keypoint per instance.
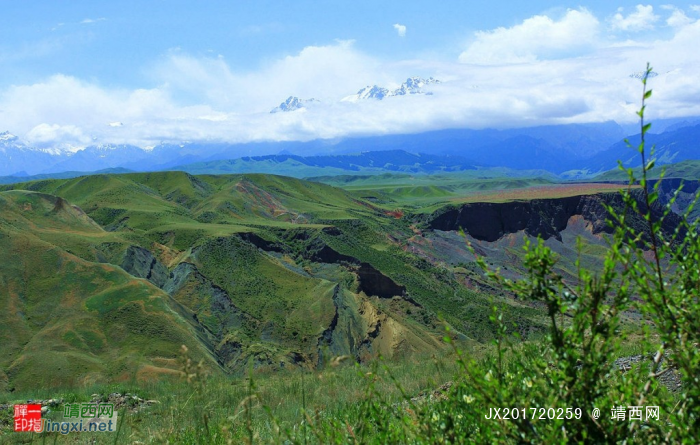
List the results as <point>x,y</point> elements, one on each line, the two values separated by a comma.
<point>68,321</point>
<point>239,268</point>
<point>423,194</point>
<point>61,175</point>
<point>246,270</point>
<point>375,162</point>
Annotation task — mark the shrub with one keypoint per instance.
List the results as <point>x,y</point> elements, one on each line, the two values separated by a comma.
<point>646,273</point>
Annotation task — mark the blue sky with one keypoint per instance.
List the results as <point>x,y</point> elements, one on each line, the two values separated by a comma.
<point>174,70</point>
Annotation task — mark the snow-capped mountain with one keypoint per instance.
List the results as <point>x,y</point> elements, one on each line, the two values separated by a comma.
<point>413,85</point>
<point>17,157</point>
<point>292,103</point>
<point>7,137</point>
<point>373,92</point>
<point>9,141</point>
<point>98,157</point>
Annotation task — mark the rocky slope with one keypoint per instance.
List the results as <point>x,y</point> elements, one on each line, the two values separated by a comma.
<point>538,217</point>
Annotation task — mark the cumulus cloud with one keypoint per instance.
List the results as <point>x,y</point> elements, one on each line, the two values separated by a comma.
<point>73,111</point>
<point>643,18</point>
<point>45,134</point>
<point>541,71</point>
<point>323,72</point>
<point>196,98</point>
<point>677,17</point>
<point>400,29</point>
<point>539,37</point>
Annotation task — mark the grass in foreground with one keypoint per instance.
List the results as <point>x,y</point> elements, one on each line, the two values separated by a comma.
<point>217,409</point>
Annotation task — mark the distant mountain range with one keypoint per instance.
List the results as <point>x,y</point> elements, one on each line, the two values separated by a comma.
<point>672,146</point>
<point>413,85</point>
<point>366,162</point>
<point>63,175</point>
<point>573,151</point>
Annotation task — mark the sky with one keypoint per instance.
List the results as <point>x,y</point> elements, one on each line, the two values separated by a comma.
<point>77,73</point>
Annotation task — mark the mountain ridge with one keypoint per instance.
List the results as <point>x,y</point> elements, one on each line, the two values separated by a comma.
<point>581,149</point>
<point>292,103</point>
<point>412,85</point>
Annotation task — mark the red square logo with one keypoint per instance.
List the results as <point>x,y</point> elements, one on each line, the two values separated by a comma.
<point>28,418</point>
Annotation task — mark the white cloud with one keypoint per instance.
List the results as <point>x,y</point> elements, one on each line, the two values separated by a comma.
<point>400,29</point>
<point>73,111</point>
<point>642,19</point>
<point>89,21</point>
<point>198,98</point>
<point>45,134</point>
<point>321,72</point>
<point>677,18</point>
<point>560,70</point>
<point>538,37</point>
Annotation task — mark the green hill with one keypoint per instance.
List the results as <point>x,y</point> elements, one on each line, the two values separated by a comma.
<point>428,192</point>
<point>246,270</point>
<point>262,270</point>
<point>68,321</point>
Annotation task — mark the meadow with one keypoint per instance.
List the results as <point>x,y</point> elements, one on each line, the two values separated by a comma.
<point>424,394</point>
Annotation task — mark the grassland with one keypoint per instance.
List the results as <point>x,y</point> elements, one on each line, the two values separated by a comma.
<point>106,276</point>
<point>298,406</point>
<point>68,321</point>
<point>300,284</point>
<point>179,416</point>
<point>235,302</point>
<point>552,191</point>
<point>424,194</point>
